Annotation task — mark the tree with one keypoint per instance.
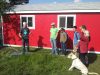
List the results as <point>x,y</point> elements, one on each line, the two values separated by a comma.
<point>18,2</point>
<point>4,6</point>
<point>7,5</point>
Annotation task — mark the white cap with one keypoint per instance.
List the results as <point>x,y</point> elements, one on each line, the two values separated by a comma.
<point>52,23</point>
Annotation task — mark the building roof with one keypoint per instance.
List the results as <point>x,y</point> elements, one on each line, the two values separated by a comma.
<point>59,7</point>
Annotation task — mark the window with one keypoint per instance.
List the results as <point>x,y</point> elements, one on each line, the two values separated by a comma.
<point>29,19</point>
<point>66,21</point>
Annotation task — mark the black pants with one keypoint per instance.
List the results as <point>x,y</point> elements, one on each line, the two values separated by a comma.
<point>25,43</point>
<point>84,59</point>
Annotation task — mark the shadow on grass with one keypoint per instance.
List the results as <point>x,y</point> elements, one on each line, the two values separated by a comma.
<point>1,47</point>
<point>92,57</point>
<point>36,50</point>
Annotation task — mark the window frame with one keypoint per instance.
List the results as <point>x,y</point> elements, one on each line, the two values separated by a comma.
<point>67,15</point>
<point>33,20</point>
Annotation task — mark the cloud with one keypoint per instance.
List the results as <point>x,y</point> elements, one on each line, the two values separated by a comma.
<point>55,2</point>
<point>77,0</point>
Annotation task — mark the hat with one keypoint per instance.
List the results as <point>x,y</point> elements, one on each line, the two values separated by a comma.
<point>52,23</point>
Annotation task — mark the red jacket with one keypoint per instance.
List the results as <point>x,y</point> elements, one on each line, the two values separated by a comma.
<point>83,44</point>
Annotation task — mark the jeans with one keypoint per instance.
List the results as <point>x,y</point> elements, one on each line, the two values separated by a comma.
<point>25,43</point>
<point>54,48</point>
<point>63,47</point>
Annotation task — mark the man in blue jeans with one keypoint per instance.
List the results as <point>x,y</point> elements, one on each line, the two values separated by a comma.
<point>76,38</point>
<point>53,36</point>
<point>24,34</point>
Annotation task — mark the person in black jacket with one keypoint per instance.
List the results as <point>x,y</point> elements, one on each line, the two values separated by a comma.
<point>24,34</point>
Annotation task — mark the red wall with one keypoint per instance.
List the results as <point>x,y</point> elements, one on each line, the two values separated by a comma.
<point>92,21</point>
<point>11,29</point>
<point>40,36</point>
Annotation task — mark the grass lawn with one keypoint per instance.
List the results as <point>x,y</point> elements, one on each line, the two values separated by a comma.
<point>40,62</point>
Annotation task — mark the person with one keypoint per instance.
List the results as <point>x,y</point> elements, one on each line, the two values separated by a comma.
<point>63,39</point>
<point>24,34</point>
<point>53,36</point>
<point>76,39</point>
<point>84,41</point>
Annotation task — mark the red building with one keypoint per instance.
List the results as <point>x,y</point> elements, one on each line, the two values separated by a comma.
<point>40,16</point>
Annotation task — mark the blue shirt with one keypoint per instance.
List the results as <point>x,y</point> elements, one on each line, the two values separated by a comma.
<point>76,38</point>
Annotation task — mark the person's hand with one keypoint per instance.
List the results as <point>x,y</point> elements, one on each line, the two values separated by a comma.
<point>76,47</point>
<point>20,35</point>
<point>74,50</point>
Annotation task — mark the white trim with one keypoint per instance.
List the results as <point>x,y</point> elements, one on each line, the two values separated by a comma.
<point>2,30</point>
<point>67,15</point>
<point>96,52</point>
<point>33,20</point>
<point>58,11</point>
<point>12,45</point>
<point>21,46</point>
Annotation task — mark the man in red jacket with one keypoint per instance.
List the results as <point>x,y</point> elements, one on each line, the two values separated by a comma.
<point>83,44</point>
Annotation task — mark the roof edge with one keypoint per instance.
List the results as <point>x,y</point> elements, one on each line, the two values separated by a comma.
<point>61,11</point>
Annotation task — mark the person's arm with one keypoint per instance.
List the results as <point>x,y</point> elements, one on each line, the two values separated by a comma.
<point>57,33</point>
<point>83,38</point>
<point>78,37</point>
<point>29,31</point>
<point>20,34</point>
<point>65,36</point>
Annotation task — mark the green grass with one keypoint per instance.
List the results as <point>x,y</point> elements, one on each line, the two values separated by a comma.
<point>39,62</point>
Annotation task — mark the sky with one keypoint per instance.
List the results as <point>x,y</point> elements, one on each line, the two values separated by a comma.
<point>59,1</point>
